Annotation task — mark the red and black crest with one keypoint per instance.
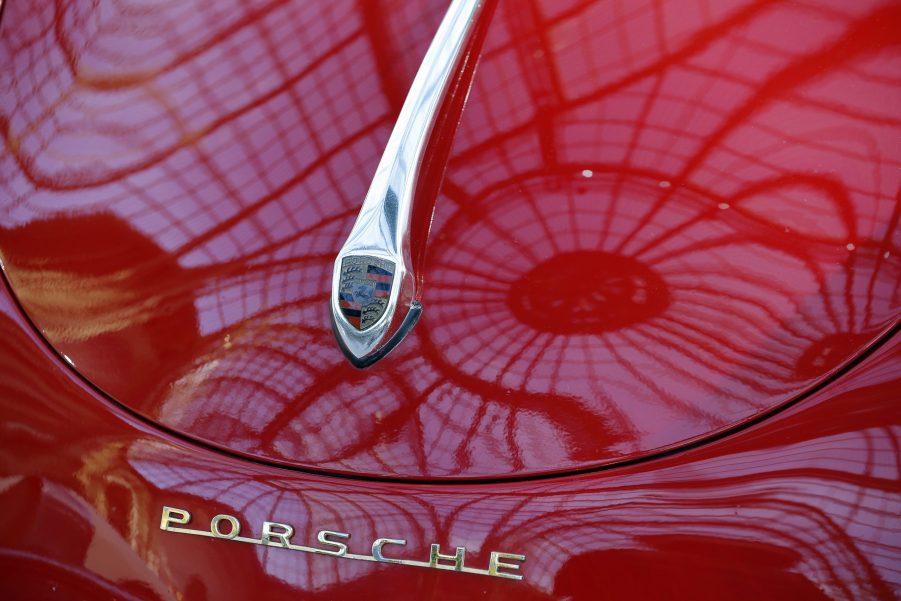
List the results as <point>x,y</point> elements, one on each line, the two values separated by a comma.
<point>364,289</point>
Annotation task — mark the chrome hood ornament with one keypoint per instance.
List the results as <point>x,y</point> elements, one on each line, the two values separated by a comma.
<point>374,298</point>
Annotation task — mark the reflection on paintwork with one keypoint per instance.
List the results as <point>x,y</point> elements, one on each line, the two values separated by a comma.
<point>804,505</point>
<point>658,219</point>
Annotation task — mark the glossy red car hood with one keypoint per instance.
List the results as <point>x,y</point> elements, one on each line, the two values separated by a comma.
<point>644,235</point>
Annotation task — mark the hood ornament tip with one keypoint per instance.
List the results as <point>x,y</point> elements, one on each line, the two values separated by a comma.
<point>386,346</point>
<point>371,276</point>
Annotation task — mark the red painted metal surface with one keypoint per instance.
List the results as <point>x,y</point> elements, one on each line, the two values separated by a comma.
<point>656,222</point>
<point>804,505</point>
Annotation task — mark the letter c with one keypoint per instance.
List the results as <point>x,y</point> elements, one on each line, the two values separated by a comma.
<point>381,542</point>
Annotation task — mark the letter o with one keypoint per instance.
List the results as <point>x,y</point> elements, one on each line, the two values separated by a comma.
<point>214,526</point>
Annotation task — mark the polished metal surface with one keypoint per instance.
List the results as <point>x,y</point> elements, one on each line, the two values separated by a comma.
<point>276,534</point>
<point>368,327</point>
<point>599,275</point>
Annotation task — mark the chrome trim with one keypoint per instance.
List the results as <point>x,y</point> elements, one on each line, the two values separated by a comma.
<point>175,520</point>
<point>382,229</point>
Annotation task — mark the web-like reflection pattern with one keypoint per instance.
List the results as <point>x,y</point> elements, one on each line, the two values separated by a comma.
<point>815,517</point>
<point>729,196</point>
<point>803,506</point>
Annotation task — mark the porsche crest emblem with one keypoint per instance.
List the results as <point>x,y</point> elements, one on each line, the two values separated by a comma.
<point>364,289</point>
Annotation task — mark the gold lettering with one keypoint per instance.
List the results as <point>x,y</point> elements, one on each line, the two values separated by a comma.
<point>495,564</point>
<point>341,550</point>
<point>500,565</point>
<point>173,515</point>
<point>214,526</point>
<point>269,533</point>
<point>435,555</point>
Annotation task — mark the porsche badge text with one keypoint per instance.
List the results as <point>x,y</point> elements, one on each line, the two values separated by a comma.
<point>334,543</point>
